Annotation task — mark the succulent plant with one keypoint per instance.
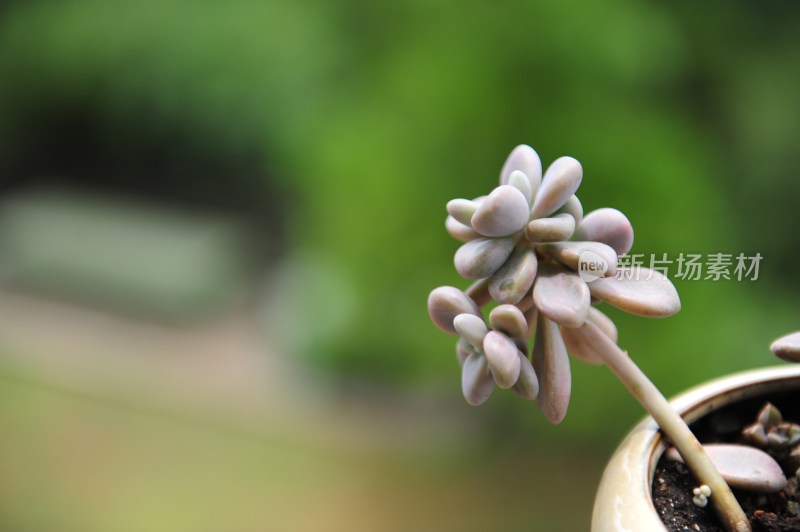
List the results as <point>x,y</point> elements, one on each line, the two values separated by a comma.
<point>528,247</point>
<point>778,437</point>
<point>770,431</point>
<point>524,243</point>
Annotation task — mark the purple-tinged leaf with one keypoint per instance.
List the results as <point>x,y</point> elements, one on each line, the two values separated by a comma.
<point>640,291</point>
<point>471,328</point>
<point>561,180</point>
<point>501,352</point>
<point>512,281</point>
<point>608,226</point>
<point>462,210</point>
<point>503,213</point>
<point>510,320</point>
<point>559,227</point>
<point>561,296</point>
<point>482,257</point>
<point>528,384</point>
<point>551,363</point>
<point>447,302</point>
<point>477,383</point>
<point>520,181</point>
<point>526,160</point>
<point>459,231</point>
<point>574,208</point>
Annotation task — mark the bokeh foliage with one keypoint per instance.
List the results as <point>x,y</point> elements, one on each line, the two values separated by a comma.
<point>367,117</point>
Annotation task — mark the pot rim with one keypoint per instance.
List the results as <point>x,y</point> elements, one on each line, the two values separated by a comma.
<point>623,501</point>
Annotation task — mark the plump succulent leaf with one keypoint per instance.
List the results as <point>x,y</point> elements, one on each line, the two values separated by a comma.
<point>574,208</point>
<point>526,160</point>
<point>463,351</point>
<point>558,227</point>
<point>503,213</point>
<point>792,431</point>
<point>561,296</point>
<point>471,328</point>
<point>608,226</point>
<point>787,347</point>
<point>512,281</point>
<point>520,181</point>
<point>769,416</point>
<point>783,436</point>
<point>501,352</point>
<point>528,384</point>
<point>755,435</point>
<point>482,257</point>
<point>551,363</point>
<point>459,231</point>
<point>743,467</point>
<point>562,179</point>
<point>640,291</point>
<point>477,383</point>
<point>447,302</point>
<point>462,210</point>
<point>510,320</point>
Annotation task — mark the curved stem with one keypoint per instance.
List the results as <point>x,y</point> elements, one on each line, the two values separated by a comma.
<point>673,425</point>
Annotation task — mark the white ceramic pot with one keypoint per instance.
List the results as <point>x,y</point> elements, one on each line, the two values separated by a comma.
<point>623,501</point>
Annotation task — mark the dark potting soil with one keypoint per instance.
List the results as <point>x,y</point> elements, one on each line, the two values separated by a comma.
<point>673,484</point>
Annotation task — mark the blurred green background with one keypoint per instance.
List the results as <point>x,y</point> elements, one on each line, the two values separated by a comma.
<point>335,132</point>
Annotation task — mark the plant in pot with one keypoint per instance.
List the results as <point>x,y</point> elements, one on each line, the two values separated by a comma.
<point>657,491</point>
<point>528,248</point>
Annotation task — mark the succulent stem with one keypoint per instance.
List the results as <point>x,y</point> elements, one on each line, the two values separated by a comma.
<point>675,428</point>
